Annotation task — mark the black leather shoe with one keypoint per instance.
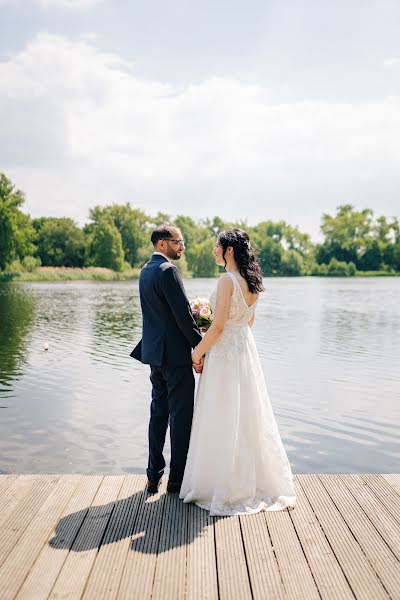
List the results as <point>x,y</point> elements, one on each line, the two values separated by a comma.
<point>153,485</point>
<point>174,487</point>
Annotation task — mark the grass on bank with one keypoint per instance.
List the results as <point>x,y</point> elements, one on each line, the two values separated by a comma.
<point>70,274</point>
<point>103,274</point>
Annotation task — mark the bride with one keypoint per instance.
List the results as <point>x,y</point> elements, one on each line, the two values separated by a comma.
<point>236,462</point>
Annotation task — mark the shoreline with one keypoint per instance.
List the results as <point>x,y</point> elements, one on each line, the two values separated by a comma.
<point>71,274</point>
<point>104,274</point>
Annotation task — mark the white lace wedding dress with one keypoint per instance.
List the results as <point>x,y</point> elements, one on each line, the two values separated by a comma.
<point>236,462</point>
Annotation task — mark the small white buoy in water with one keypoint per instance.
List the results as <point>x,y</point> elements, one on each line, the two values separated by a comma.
<point>46,346</point>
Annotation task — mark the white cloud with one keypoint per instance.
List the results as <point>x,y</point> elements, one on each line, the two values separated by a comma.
<point>391,62</point>
<point>80,128</point>
<point>68,4</point>
<point>63,4</point>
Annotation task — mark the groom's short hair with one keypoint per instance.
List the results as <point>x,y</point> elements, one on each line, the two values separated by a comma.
<point>163,232</point>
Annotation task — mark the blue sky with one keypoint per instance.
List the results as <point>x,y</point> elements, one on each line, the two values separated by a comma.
<point>249,110</point>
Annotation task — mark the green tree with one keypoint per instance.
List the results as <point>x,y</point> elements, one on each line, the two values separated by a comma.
<point>203,260</point>
<point>188,228</point>
<point>16,231</point>
<point>161,218</point>
<point>60,242</point>
<point>268,229</point>
<point>296,240</point>
<point>214,226</point>
<point>396,256</point>
<point>276,240</point>
<point>106,246</point>
<point>131,223</point>
<point>345,234</point>
<point>373,256</point>
<point>270,254</point>
<point>292,264</point>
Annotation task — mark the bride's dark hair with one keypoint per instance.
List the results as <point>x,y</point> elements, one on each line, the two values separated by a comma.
<point>244,256</point>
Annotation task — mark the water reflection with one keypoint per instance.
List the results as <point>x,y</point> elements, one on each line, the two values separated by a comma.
<point>17,313</point>
<point>329,350</point>
<point>115,324</point>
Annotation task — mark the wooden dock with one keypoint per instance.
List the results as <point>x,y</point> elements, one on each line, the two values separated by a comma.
<point>95,537</point>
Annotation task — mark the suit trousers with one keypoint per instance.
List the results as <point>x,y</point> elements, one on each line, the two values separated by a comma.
<point>172,401</point>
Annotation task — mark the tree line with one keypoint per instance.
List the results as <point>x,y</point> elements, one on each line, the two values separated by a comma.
<point>117,236</point>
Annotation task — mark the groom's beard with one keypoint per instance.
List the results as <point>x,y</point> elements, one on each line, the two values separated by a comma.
<point>172,254</point>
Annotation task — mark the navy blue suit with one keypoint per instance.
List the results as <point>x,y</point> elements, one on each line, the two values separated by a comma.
<point>168,336</point>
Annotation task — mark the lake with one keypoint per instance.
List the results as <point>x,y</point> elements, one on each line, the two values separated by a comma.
<point>329,347</point>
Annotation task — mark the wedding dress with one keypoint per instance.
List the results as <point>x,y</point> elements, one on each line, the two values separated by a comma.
<point>236,462</point>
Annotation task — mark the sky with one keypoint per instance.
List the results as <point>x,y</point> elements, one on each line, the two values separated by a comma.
<point>249,110</point>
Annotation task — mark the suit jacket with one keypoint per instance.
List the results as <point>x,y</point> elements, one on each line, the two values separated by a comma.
<point>169,329</point>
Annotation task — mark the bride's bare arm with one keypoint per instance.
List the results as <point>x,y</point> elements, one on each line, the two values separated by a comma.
<point>223,301</point>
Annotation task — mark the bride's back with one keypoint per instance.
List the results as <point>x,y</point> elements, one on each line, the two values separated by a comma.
<point>249,298</point>
<point>240,312</point>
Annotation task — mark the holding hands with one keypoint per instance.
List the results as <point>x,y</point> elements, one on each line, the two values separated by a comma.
<point>197,362</point>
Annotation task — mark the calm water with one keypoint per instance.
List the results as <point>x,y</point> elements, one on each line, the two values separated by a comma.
<point>330,351</point>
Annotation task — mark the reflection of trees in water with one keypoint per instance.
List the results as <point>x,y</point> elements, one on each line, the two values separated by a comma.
<point>116,321</point>
<point>17,313</point>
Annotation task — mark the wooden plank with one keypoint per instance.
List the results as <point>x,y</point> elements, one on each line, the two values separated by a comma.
<point>106,574</point>
<point>20,560</point>
<point>295,571</point>
<point>29,494</point>
<point>387,494</point>
<point>19,496</point>
<point>170,572</point>
<point>262,564</point>
<point>40,581</point>
<point>381,558</point>
<point>393,479</point>
<point>341,541</point>
<point>7,477</point>
<point>140,565</point>
<point>357,569</point>
<point>73,576</point>
<point>328,575</point>
<point>201,559</point>
<point>5,482</point>
<point>233,579</point>
<point>8,491</point>
<point>383,521</point>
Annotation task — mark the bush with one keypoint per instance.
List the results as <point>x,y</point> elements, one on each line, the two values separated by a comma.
<point>31,263</point>
<point>338,268</point>
<point>351,269</point>
<point>319,270</point>
<point>14,267</point>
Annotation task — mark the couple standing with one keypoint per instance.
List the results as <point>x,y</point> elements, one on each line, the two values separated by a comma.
<point>226,451</point>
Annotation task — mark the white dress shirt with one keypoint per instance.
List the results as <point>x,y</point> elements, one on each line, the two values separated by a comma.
<point>161,254</point>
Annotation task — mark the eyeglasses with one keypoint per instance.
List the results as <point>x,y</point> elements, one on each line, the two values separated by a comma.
<point>180,242</point>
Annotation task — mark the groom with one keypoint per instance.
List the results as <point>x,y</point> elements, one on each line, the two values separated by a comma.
<point>169,334</point>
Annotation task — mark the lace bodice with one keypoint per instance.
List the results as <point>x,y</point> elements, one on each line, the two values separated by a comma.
<point>239,311</point>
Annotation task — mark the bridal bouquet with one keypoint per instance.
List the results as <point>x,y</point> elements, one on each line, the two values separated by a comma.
<point>202,313</point>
